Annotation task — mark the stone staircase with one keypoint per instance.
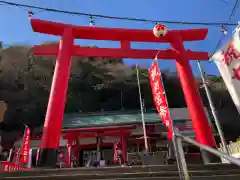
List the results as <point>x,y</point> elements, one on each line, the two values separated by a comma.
<point>161,172</point>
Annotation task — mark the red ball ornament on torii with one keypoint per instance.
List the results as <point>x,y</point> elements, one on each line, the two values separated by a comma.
<point>159,30</point>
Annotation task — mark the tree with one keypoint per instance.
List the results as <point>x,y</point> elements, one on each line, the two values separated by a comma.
<point>95,84</point>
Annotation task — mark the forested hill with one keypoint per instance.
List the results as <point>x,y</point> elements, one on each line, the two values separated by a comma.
<point>95,84</point>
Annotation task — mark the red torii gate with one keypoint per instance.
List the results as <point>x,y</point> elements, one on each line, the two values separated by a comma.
<point>66,49</point>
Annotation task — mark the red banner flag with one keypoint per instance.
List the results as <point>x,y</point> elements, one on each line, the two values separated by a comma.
<point>38,154</point>
<point>24,156</point>
<point>115,153</point>
<point>159,96</point>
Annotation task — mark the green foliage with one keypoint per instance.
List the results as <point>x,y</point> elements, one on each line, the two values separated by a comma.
<point>95,84</point>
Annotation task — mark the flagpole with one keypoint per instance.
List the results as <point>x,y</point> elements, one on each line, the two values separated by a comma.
<point>209,97</point>
<point>177,143</point>
<point>142,114</point>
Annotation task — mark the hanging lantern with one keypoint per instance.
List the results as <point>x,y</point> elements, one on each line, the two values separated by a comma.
<point>30,14</point>
<point>91,23</point>
<point>224,30</point>
<point>159,30</point>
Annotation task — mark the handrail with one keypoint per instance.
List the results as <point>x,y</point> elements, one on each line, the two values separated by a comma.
<point>180,156</point>
<point>211,150</point>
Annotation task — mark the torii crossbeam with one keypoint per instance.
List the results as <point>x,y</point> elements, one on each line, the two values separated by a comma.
<point>66,49</point>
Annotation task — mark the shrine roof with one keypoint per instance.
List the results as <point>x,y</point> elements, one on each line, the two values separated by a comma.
<point>96,119</point>
<point>108,118</point>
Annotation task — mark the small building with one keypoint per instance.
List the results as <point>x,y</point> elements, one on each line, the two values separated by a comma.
<point>86,133</point>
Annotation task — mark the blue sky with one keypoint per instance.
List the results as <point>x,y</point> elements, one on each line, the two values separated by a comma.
<point>15,27</point>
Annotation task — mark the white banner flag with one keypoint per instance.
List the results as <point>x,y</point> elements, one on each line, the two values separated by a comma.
<point>227,60</point>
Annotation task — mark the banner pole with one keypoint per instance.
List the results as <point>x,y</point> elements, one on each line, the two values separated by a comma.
<point>142,114</point>
<point>212,107</point>
<point>177,144</point>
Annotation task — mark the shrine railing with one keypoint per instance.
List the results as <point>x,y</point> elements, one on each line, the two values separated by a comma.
<point>180,156</point>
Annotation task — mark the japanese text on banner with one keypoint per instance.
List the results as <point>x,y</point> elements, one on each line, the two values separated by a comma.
<point>26,146</point>
<point>227,59</point>
<point>159,95</point>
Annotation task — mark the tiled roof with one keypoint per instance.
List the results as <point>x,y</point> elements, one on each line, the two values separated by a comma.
<point>106,119</point>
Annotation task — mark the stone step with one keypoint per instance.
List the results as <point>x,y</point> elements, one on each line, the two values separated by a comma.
<point>125,175</point>
<point>222,177</point>
<point>123,172</point>
<point>134,169</point>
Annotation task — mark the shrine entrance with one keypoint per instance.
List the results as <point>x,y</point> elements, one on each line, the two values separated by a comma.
<point>66,49</point>
<point>74,136</point>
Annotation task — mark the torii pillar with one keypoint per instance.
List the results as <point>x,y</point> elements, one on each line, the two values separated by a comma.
<point>66,49</point>
<point>57,100</point>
